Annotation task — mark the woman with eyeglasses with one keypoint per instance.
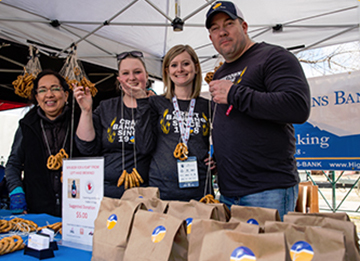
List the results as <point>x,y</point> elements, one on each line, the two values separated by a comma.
<point>109,130</point>
<point>175,127</point>
<point>42,133</point>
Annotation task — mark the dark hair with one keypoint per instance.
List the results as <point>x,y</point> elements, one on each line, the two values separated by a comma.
<point>43,73</point>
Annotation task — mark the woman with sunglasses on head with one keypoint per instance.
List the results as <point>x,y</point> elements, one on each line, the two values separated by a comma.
<point>109,131</point>
<point>44,132</point>
<point>176,128</point>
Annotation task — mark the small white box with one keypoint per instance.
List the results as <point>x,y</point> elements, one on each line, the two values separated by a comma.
<point>48,231</point>
<point>39,241</point>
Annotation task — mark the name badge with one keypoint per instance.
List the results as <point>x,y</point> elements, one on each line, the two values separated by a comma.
<point>188,173</point>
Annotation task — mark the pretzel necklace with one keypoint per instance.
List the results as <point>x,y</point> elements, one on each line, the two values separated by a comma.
<point>54,162</point>
<point>181,151</point>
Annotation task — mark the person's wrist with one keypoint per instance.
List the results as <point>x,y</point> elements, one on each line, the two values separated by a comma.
<point>17,201</point>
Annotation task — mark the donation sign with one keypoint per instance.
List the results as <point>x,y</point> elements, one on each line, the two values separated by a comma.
<point>330,139</point>
<point>83,190</point>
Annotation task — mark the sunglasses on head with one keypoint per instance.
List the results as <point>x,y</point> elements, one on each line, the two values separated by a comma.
<point>123,55</point>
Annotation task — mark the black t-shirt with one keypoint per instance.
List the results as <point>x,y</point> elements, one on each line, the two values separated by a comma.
<point>254,146</point>
<point>161,133</point>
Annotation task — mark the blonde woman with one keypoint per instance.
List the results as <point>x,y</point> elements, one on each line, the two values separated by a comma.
<point>175,128</point>
<point>109,131</point>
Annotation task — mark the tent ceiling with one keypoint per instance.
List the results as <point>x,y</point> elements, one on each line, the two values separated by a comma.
<point>103,29</point>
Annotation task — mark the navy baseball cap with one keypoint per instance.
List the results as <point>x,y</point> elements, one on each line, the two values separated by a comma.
<point>223,6</point>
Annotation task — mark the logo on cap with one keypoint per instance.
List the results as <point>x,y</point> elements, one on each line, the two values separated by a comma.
<point>216,6</point>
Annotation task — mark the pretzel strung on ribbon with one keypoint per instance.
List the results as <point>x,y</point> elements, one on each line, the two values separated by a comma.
<point>181,151</point>
<point>210,75</point>
<point>9,245</point>
<point>23,225</point>
<point>209,199</point>
<point>5,226</point>
<point>55,162</point>
<point>56,227</point>
<point>131,180</point>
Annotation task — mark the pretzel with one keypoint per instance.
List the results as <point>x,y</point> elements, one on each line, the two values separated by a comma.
<point>23,225</point>
<point>209,76</point>
<point>207,199</point>
<point>24,84</point>
<point>77,71</point>
<point>131,180</point>
<point>56,227</point>
<point>181,151</point>
<point>55,162</point>
<point>5,226</point>
<point>9,245</point>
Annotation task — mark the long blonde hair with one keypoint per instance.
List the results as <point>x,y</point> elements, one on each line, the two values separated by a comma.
<point>169,87</point>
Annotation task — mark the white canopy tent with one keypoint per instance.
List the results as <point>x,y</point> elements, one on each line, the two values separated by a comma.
<point>102,29</point>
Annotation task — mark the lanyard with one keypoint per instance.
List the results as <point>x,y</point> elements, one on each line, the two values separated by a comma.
<point>185,132</point>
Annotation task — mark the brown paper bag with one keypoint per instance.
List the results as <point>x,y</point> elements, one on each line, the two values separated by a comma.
<point>308,199</point>
<point>348,228</point>
<point>223,211</point>
<point>310,243</point>
<point>254,215</point>
<point>112,228</point>
<point>192,210</point>
<point>141,192</point>
<point>232,245</point>
<point>157,236</point>
<point>154,204</point>
<point>337,215</point>
<point>201,227</point>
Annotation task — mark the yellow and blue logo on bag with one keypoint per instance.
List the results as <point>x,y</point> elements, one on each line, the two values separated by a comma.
<point>189,225</point>
<point>301,251</point>
<point>111,221</point>
<point>158,234</point>
<point>242,254</point>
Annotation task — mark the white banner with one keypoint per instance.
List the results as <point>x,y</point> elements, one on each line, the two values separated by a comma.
<point>335,104</point>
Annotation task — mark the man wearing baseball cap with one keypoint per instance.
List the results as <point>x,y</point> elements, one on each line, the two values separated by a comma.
<point>259,92</point>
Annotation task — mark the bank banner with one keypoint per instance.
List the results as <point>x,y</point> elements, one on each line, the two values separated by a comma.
<point>330,139</point>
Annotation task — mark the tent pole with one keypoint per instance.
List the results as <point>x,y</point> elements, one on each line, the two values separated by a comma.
<point>99,27</point>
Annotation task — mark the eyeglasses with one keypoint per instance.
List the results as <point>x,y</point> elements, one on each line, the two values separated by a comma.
<point>123,55</point>
<point>53,89</point>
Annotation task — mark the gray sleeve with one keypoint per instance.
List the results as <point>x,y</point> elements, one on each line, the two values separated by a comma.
<point>15,163</point>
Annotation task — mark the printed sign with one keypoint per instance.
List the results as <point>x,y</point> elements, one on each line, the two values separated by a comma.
<point>330,139</point>
<point>83,190</point>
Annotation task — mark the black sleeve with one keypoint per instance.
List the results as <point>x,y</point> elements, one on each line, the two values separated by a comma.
<point>287,95</point>
<point>145,132</point>
<point>15,163</point>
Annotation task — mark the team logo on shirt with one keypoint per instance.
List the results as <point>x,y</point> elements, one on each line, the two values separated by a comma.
<point>110,132</point>
<point>122,130</point>
<point>199,123</point>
